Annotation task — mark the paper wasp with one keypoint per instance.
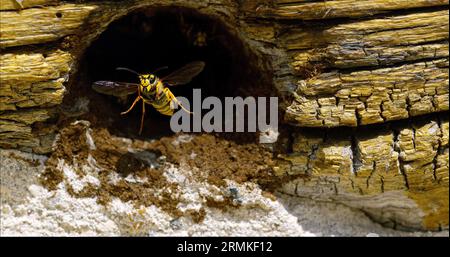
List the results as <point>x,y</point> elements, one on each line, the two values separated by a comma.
<point>152,89</point>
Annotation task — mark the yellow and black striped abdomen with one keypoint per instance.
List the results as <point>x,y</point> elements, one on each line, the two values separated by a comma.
<point>161,104</point>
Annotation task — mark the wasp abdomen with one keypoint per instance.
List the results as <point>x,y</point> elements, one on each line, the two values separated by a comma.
<point>161,104</point>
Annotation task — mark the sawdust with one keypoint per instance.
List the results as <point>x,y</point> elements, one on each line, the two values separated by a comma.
<point>197,216</point>
<point>110,156</point>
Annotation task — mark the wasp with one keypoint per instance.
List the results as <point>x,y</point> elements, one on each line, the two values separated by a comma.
<point>152,90</point>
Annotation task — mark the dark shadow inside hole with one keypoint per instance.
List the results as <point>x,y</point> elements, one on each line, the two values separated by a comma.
<point>151,38</point>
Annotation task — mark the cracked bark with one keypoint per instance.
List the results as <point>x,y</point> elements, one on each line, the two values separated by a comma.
<point>318,10</point>
<point>376,96</point>
<point>383,160</point>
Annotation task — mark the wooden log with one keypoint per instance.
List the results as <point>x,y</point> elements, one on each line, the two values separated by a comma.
<point>42,25</point>
<point>410,158</point>
<point>33,79</point>
<point>359,70</point>
<point>372,43</point>
<point>377,42</point>
<point>34,67</point>
<point>371,96</point>
<point>22,4</point>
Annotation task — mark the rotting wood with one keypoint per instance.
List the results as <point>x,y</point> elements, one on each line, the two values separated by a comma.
<point>340,72</point>
<point>33,79</point>
<point>376,42</point>
<point>34,67</point>
<point>42,25</point>
<point>399,158</point>
<point>371,96</point>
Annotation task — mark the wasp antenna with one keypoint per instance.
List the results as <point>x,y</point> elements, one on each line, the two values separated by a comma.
<point>160,68</point>
<point>130,70</point>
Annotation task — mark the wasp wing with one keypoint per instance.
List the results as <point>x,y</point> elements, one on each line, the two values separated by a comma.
<point>185,74</point>
<point>118,89</point>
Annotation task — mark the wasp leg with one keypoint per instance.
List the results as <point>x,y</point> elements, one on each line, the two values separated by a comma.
<point>142,118</point>
<point>171,97</point>
<point>134,103</point>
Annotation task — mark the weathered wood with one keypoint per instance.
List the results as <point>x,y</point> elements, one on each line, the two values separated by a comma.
<point>33,80</point>
<point>29,84</point>
<point>42,25</point>
<point>22,4</point>
<point>33,67</point>
<point>18,135</point>
<point>16,131</point>
<point>292,9</point>
<point>375,42</point>
<point>372,96</point>
<point>27,117</point>
<point>341,72</point>
<point>409,158</point>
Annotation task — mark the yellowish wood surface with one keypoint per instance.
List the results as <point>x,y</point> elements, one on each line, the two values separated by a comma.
<point>22,4</point>
<point>339,8</point>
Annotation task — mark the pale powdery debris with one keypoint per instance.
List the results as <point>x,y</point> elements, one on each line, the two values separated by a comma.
<point>268,136</point>
<point>239,222</point>
<point>135,179</point>
<point>76,182</point>
<point>89,140</point>
<point>44,212</point>
<point>27,209</point>
<point>173,175</point>
<point>182,139</point>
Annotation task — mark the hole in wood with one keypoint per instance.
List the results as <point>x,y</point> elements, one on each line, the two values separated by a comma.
<point>150,38</point>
